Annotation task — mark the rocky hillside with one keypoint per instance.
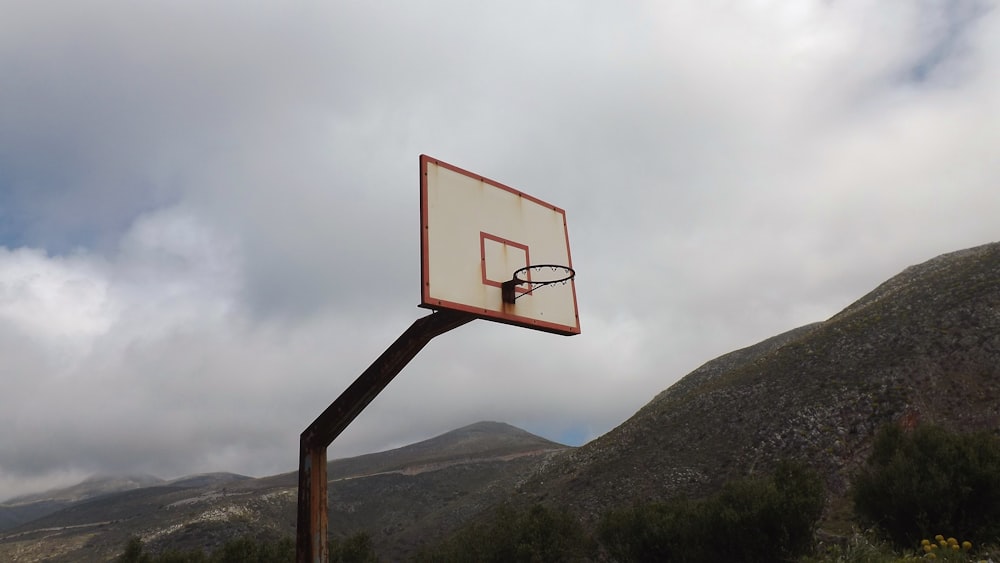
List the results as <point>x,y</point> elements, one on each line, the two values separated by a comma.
<point>401,497</point>
<point>924,346</point>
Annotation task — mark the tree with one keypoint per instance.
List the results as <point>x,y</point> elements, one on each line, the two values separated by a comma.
<point>755,519</point>
<point>537,534</point>
<point>353,549</point>
<point>134,552</point>
<point>930,481</point>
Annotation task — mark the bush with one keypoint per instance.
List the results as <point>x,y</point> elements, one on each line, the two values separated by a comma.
<point>352,549</point>
<point>133,552</point>
<point>653,532</point>
<point>243,550</point>
<point>175,556</point>
<point>538,535</point>
<point>918,483</point>
<point>748,520</point>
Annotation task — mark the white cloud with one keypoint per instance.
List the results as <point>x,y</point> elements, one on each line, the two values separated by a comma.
<point>208,213</point>
<point>59,303</point>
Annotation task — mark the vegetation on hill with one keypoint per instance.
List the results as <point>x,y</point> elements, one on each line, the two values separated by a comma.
<point>536,534</point>
<point>353,549</point>
<point>928,480</point>
<point>754,519</point>
<point>916,481</point>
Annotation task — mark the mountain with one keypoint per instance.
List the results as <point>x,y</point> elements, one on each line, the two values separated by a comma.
<point>923,346</point>
<point>88,488</point>
<point>26,508</point>
<point>207,480</point>
<point>438,484</point>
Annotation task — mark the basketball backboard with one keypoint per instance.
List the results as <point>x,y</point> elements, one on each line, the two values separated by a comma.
<point>475,233</point>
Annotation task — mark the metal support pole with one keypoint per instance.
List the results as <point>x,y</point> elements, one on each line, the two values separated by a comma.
<point>313,517</point>
<point>312,499</point>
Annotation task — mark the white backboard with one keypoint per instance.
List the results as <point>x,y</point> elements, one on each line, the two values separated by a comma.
<point>475,233</point>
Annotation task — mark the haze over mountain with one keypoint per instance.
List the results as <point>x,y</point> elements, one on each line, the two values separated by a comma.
<point>922,347</point>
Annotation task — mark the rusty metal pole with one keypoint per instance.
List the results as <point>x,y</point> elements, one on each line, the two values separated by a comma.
<point>313,518</point>
<point>312,498</point>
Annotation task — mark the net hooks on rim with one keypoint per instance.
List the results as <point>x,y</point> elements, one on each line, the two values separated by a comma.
<point>524,276</point>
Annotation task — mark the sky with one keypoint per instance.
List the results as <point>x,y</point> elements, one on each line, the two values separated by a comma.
<point>209,212</point>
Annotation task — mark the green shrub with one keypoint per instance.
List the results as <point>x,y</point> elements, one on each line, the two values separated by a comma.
<point>654,532</point>
<point>357,548</point>
<point>242,550</point>
<point>538,535</point>
<point>133,552</point>
<point>858,548</point>
<point>174,556</point>
<point>767,519</point>
<point>918,483</point>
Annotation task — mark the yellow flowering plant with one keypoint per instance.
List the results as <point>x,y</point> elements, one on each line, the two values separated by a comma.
<point>947,549</point>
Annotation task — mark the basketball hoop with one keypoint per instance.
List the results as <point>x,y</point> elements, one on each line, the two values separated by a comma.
<point>536,276</point>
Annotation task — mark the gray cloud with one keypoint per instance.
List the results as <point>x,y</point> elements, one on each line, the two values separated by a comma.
<point>209,213</point>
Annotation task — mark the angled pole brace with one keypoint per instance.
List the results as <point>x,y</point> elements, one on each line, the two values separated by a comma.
<point>312,521</point>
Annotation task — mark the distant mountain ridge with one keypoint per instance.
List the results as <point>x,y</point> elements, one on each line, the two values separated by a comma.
<point>25,508</point>
<point>440,481</point>
<point>475,441</point>
<point>90,487</point>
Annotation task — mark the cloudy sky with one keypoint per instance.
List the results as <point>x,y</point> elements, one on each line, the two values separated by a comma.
<point>209,211</point>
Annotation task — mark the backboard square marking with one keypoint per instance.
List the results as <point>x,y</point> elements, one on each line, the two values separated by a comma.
<point>501,258</point>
